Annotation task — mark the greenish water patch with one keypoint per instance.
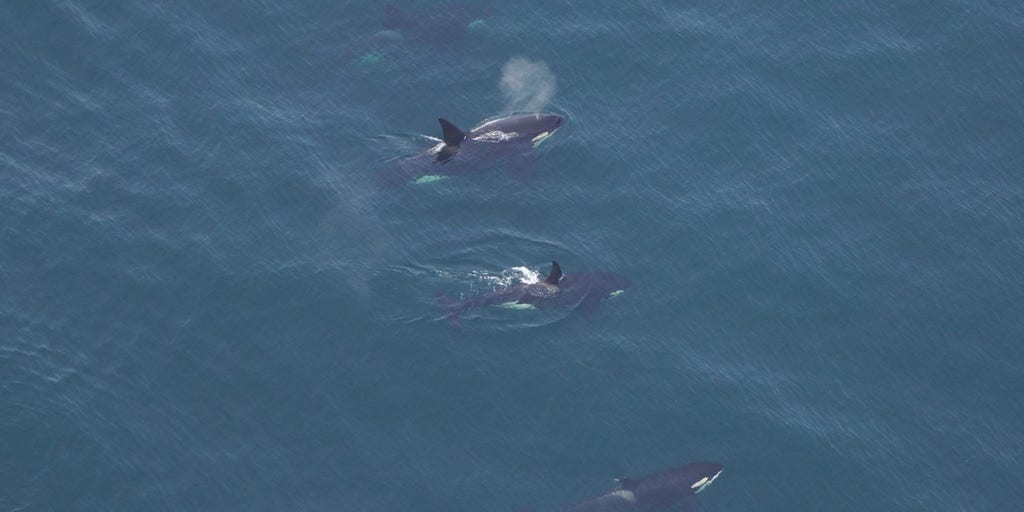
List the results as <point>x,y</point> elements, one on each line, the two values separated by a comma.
<point>392,35</point>
<point>370,58</point>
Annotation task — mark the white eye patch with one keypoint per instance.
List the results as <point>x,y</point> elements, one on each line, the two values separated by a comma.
<point>703,483</point>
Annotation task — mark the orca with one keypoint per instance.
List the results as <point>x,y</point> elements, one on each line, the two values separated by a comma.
<point>654,492</point>
<point>461,152</point>
<point>437,25</point>
<point>585,290</point>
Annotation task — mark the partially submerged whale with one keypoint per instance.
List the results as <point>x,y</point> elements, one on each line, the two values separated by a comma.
<point>435,27</point>
<point>655,492</point>
<point>585,290</point>
<point>461,152</point>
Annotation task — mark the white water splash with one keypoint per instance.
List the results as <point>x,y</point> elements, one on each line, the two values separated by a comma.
<point>523,275</point>
<point>508,277</point>
<point>527,85</point>
<point>491,281</point>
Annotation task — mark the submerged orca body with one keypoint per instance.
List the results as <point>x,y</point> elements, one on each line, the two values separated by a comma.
<point>440,25</point>
<point>582,289</point>
<point>436,27</point>
<point>462,152</point>
<point>655,492</point>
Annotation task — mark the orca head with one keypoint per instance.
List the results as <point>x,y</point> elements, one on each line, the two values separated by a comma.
<point>534,127</point>
<point>539,123</point>
<point>698,476</point>
<point>542,126</point>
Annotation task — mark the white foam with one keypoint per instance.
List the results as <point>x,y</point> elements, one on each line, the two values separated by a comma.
<point>437,148</point>
<point>495,136</point>
<point>508,277</point>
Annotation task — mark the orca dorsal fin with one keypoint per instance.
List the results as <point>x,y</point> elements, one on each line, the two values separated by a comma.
<point>555,275</point>
<point>627,483</point>
<point>453,136</point>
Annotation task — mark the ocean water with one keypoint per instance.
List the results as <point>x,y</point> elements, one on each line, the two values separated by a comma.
<point>207,304</point>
